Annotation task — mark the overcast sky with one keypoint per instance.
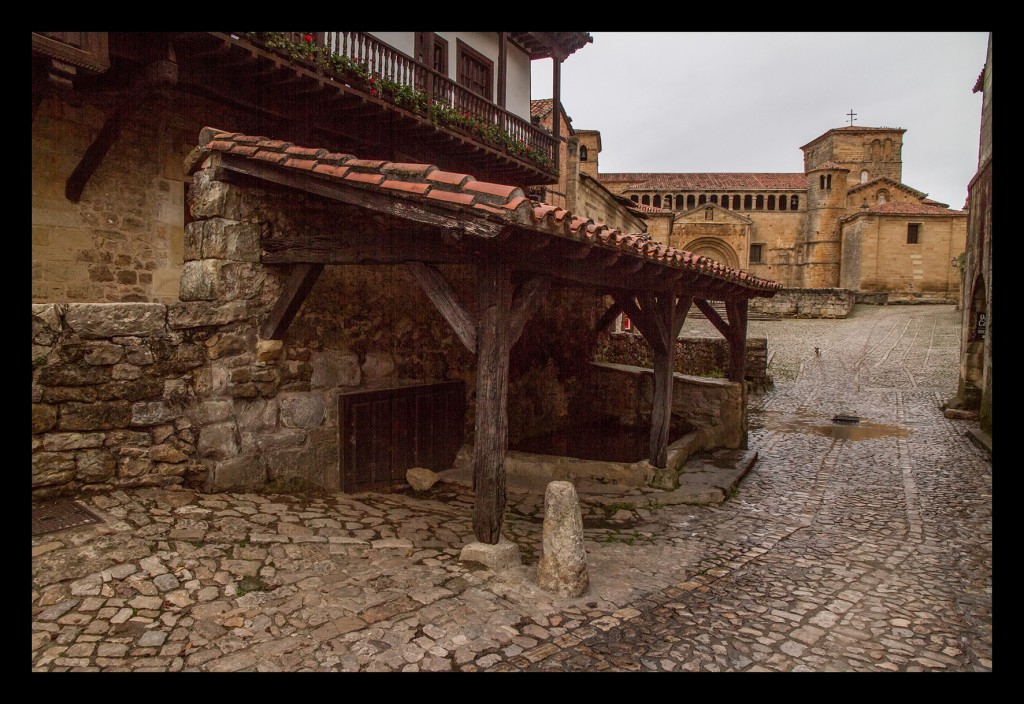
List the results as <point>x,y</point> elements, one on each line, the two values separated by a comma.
<point>727,102</point>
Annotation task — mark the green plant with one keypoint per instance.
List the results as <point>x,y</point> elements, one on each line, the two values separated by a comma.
<point>361,72</point>
<point>39,361</point>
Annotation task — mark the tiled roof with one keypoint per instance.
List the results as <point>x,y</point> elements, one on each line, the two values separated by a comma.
<point>427,183</point>
<point>648,208</point>
<point>540,108</point>
<point>850,128</point>
<point>897,208</point>
<point>892,182</point>
<point>707,181</point>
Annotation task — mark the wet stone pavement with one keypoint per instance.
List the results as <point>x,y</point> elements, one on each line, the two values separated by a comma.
<point>851,548</point>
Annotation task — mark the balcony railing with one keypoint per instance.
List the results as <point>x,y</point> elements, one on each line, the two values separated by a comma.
<point>385,72</point>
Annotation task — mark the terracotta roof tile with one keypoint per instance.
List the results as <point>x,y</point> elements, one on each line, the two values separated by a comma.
<point>495,189</point>
<point>449,178</point>
<point>898,208</point>
<point>406,186</point>
<point>451,197</point>
<point>457,190</point>
<point>409,171</point>
<point>373,179</point>
<point>540,108</point>
<point>328,170</point>
<point>305,152</point>
<point>273,157</point>
<point>707,181</point>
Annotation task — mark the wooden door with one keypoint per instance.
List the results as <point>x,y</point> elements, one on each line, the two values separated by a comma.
<point>384,432</point>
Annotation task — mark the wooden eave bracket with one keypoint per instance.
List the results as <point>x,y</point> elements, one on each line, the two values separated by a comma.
<point>159,74</point>
<point>293,295</point>
<point>447,302</point>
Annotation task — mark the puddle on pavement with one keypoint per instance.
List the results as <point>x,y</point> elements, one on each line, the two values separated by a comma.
<point>863,430</point>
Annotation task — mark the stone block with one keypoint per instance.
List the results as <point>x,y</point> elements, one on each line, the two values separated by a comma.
<point>58,442</point>
<point>95,416</point>
<point>95,466</point>
<point>199,280</point>
<point>44,417</point>
<point>301,410</point>
<point>102,320</point>
<point>333,368</point>
<point>152,413</point>
<point>200,313</point>
<point>103,353</point>
<point>502,556</point>
<point>52,468</point>
<point>217,441</point>
<point>378,365</point>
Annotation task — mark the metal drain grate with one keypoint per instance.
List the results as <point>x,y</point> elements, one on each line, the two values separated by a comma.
<point>843,419</point>
<point>58,515</point>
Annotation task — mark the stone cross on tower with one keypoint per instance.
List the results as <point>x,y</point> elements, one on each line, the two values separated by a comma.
<point>851,115</point>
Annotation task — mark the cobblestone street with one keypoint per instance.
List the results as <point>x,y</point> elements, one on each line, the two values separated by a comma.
<point>848,547</point>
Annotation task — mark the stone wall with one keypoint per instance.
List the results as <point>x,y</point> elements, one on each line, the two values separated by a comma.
<point>695,356</point>
<point>123,240</point>
<point>806,303</point>
<point>713,406</point>
<point>129,394</point>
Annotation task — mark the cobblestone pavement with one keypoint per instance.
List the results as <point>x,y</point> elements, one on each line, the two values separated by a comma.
<point>862,547</point>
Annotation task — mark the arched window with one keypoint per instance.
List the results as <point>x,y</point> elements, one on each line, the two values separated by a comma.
<point>634,198</point>
<point>668,202</point>
<point>748,202</point>
<point>760,203</point>
<point>821,182</point>
<point>828,182</point>
<point>691,202</point>
<point>782,202</point>
<point>864,176</point>
<point>771,202</point>
<point>583,153</point>
<point>646,200</point>
<point>714,199</point>
<point>657,201</point>
<point>736,202</point>
<point>702,199</point>
<point>794,202</point>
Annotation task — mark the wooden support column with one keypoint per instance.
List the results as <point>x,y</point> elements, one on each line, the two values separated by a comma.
<point>494,340</point>
<point>654,316</point>
<point>737,312</point>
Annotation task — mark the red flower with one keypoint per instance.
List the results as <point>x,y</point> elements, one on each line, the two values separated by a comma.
<point>307,37</point>
<point>373,92</point>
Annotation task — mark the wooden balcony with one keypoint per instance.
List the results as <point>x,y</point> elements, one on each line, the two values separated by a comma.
<point>353,93</point>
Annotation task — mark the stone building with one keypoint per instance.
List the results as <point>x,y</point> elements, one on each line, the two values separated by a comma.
<point>308,260</point>
<point>848,221</point>
<point>975,387</point>
<point>578,188</point>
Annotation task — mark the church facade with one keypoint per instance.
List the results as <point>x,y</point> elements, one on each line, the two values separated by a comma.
<point>848,221</point>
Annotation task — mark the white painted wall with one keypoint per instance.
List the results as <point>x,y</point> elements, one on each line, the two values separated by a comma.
<point>517,85</point>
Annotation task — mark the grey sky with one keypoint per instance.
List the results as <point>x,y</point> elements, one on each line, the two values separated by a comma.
<point>727,102</point>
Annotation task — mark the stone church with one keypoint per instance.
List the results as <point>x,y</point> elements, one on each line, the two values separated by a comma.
<point>847,222</point>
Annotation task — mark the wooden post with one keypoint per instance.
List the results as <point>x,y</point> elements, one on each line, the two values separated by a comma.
<point>655,318</point>
<point>737,312</point>
<point>494,297</point>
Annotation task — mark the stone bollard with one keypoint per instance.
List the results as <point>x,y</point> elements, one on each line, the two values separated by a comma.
<point>563,565</point>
